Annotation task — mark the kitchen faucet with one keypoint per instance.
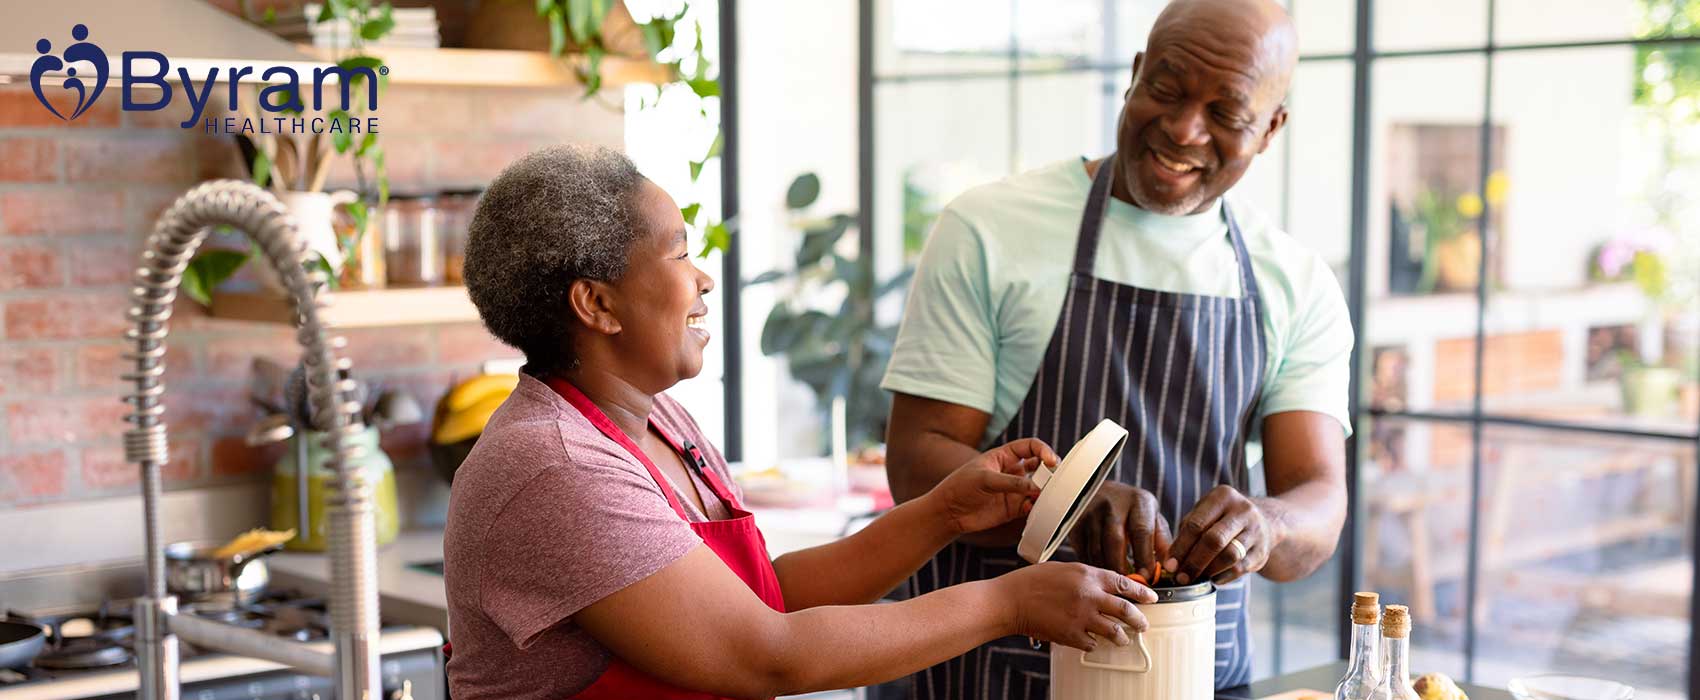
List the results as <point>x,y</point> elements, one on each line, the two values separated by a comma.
<point>178,233</point>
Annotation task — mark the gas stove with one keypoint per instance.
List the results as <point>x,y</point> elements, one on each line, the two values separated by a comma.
<point>90,655</point>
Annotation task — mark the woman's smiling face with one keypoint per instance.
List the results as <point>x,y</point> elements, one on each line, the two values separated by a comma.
<point>663,320</point>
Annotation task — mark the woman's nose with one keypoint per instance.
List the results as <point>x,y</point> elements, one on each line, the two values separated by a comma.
<point>704,283</point>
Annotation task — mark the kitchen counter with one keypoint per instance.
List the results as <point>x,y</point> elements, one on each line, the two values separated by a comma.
<point>1323,679</point>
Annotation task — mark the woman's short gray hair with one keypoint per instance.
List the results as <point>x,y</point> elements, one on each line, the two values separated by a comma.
<point>554,216</point>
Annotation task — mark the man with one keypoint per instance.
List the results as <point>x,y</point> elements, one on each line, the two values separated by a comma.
<point>1125,288</point>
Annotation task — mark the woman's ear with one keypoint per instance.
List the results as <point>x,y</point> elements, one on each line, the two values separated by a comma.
<point>593,305</point>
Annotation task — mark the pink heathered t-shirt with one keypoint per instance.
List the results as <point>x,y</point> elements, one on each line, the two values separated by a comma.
<point>547,516</point>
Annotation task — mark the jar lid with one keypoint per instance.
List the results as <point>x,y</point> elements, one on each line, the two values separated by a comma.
<point>1065,492</point>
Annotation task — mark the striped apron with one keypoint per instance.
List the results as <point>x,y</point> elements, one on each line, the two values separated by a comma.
<point>1183,373</point>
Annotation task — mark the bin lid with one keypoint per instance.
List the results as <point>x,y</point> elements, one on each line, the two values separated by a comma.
<point>1065,492</point>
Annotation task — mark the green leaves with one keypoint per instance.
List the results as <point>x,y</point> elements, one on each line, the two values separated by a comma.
<point>690,213</point>
<point>704,87</point>
<point>820,238</point>
<point>716,237</point>
<point>803,191</point>
<point>375,28</point>
<point>557,31</point>
<point>208,270</point>
<point>341,140</point>
<point>262,168</point>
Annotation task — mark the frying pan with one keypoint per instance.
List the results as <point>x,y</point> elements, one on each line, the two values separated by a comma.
<point>20,643</point>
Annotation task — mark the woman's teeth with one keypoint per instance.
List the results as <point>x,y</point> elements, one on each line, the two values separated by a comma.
<point>1172,165</point>
<point>696,321</point>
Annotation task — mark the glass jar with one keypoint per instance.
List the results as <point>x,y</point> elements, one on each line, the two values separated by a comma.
<point>413,247</point>
<point>455,209</point>
<point>313,537</point>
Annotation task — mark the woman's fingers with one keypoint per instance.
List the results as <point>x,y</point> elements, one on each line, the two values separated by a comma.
<point>997,482</point>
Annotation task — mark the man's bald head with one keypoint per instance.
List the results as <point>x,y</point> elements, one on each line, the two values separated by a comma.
<point>1261,28</point>
<point>1206,99</point>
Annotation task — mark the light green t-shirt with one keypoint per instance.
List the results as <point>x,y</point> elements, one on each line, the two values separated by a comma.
<point>990,287</point>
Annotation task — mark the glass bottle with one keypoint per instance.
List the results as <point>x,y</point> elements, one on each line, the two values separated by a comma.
<point>1363,668</point>
<point>1395,642</point>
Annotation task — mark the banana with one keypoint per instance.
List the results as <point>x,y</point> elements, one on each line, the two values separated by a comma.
<point>469,422</point>
<point>479,388</point>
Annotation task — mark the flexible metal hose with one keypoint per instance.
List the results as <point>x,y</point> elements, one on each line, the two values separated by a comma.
<point>175,238</point>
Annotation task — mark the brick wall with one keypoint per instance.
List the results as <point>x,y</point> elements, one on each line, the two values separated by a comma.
<point>76,201</point>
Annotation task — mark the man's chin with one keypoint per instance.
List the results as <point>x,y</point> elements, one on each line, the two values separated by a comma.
<point>1156,203</point>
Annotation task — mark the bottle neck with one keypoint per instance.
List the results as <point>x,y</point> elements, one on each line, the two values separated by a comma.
<point>1397,671</point>
<point>1364,658</point>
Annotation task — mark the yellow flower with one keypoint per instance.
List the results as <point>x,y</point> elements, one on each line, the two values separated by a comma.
<point>1469,205</point>
<point>1497,185</point>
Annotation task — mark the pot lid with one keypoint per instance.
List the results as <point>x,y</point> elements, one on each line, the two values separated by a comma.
<point>1065,492</point>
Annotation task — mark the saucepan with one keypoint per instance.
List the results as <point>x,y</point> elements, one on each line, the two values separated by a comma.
<point>20,643</point>
<point>194,573</point>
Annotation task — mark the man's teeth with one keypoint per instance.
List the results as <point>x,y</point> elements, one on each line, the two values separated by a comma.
<point>1171,164</point>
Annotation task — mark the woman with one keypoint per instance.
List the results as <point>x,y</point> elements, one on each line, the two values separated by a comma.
<point>595,546</point>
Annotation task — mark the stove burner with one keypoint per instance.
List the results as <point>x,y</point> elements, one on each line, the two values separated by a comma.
<point>81,653</point>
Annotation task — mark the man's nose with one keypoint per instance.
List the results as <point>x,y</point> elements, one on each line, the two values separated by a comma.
<point>1185,126</point>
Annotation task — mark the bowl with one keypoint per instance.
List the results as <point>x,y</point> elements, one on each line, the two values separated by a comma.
<point>1566,687</point>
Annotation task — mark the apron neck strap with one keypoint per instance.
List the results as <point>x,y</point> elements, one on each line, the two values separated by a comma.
<point>606,426</point>
<point>1092,221</point>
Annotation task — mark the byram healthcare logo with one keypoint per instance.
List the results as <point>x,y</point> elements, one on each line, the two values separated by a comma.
<point>281,101</point>
<point>82,51</point>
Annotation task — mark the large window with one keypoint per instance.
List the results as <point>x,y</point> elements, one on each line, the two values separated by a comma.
<point>1510,190</point>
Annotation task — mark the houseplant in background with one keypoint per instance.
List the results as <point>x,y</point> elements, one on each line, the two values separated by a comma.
<point>1649,383</point>
<point>1450,229</point>
<point>824,322</point>
<point>295,166</point>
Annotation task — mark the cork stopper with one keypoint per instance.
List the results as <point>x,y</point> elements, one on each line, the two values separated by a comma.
<point>1366,608</point>
<point>1397,623</point>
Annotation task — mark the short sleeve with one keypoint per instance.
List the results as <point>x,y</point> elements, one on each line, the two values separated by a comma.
<point>574,535</point>
<point>946,347</point>
<point>1315,372</point>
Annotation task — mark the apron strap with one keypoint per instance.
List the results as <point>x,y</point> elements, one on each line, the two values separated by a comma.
<point>1248,282</point>
<point>1092,220</point>
<point>606,425</point>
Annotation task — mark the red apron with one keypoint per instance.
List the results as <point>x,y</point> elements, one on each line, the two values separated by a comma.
<point>736,539</point>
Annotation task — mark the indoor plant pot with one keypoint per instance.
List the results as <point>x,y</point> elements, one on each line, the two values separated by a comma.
<point>1650,391</point>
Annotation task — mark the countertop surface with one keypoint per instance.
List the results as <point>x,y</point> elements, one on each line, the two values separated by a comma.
<point>1323,679</point>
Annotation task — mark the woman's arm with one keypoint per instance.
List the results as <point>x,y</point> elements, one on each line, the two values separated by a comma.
<point>696,625</point>
<point>988,490</point>
<point>867,564</point>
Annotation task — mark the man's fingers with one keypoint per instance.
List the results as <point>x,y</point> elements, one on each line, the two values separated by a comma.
<point>1113,539</point>
<point>1140,531</point>
<point>1162,543</point>
<point>1194,524</point>
<point>1209,546</point>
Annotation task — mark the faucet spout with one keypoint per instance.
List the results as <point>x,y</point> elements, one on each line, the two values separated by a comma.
<point>178,233</point>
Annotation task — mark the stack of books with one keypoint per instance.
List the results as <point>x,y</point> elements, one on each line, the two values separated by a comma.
<point>415,28</point>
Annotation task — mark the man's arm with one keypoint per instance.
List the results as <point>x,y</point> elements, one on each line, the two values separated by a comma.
<point>1288,534</point>
<point>925,441</point>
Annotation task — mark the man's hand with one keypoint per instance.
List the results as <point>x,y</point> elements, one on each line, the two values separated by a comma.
<point>1120,517</point>
<point>993,488</point>
<point>1204,549</point>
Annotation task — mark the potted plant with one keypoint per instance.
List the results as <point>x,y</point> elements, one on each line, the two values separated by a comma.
<point>824,323</point>
<point>1650,385</point>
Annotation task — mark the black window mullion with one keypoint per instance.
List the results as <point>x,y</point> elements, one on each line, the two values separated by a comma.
<point>1473,564</point>
<point>1351,570</point>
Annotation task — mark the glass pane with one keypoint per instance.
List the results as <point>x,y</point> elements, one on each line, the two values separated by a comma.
<point>1325,26</point>
<point>1053,34</point>
<point>1594,314</point>
<point>1547,21</point>
<point>1318,161</point>
<point>954,37</point>
<point>1586,564</point>
<point>1416,496</point>
<point>1422,253</point>
<point>934,140</point>
<point>1401,25</point>
<point>1295,625</point>
<point>1065,115</point>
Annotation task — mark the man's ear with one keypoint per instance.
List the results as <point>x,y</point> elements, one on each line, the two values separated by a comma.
<point>592,304</point>
<point>1138,60</point>
<point>1276,121</point>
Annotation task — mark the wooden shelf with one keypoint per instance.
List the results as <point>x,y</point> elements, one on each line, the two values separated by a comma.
<point>499,68</point>
<point>356,309</point>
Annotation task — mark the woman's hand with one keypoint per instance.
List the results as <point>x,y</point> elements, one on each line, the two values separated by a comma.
<point>993,488</point>
<point>1074,604</point>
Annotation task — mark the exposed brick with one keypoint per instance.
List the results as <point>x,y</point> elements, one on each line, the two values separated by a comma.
<point>131,157</point>
<point>143,207</point>
<point>27,371</point>
<point>217,157</point>
<point>1512,363</point>
<point>405,161</point>
<point>60,211</point>
<point>29,159</point>
<point>232,356</point>
<point>104,261</point>
<point>171,116</point>
<point>231,456</point>
<point>19,108</point>
<point>98,365</point>
<point>469,343</point>
<point>553,114</point>
<point>58,420</point>
<point>30,266</point>
<point>460,163</point>
<point>31,476</point>
<point>380,349</point>
<point>67,315</point>
<point>210,409</point>
<point>104,468</point>
<point>418,110</point>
